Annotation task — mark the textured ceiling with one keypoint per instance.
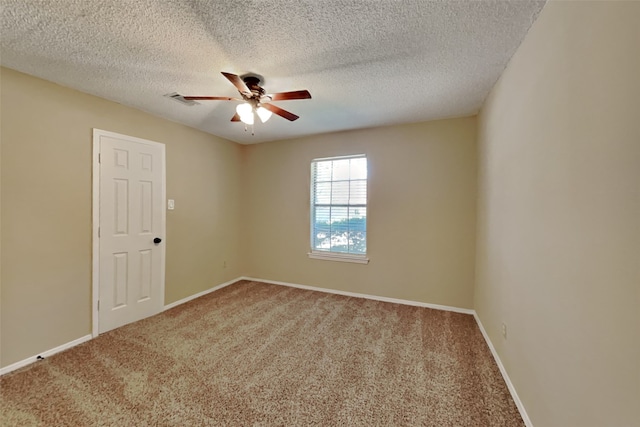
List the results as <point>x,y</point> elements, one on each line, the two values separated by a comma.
<point>366,63</point>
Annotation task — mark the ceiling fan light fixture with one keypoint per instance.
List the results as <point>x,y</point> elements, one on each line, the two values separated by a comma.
<point>245,111</point>
<point>264,114</point>
<point>247,119</point>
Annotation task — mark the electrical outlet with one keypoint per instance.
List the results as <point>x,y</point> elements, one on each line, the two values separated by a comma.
<point>504,330</point>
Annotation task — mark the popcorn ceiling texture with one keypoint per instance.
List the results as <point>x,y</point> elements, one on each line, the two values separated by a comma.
<point>366,63</point>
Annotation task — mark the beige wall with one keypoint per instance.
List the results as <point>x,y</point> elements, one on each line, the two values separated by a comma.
<point>421,213</point>
<point>558,248</point>
<point>46,209</point>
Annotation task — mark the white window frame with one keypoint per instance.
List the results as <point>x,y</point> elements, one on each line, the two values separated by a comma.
<point>326,255</point>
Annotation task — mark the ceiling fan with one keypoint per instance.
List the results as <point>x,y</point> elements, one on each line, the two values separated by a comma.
<point>255,99</point>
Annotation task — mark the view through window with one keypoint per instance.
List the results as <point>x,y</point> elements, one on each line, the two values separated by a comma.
<point>339,205</point>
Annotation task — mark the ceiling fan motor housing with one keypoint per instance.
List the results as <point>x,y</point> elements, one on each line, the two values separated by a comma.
<point>253,83</point>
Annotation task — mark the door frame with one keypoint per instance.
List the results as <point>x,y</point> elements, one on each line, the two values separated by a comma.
<point>95,211</point>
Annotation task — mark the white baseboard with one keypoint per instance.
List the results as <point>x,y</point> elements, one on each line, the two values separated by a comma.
<point>85,338</point>
<point>366,296</point>
<point>44,354</point>
<point>512,390</point>
<point>503,371</point>
<point>199,294</point>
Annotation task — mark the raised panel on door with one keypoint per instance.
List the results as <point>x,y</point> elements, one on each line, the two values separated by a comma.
<point>146,275</point>
<point>120,207</point>
<point>120,280</point>
<point>146,207</point>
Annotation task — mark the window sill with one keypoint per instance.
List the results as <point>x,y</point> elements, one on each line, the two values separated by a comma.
<point>332,256</point>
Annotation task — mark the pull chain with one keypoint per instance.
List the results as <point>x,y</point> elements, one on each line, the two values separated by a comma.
<point>245,129</point>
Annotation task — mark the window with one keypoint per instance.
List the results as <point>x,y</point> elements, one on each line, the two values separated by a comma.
<point>339,208</point>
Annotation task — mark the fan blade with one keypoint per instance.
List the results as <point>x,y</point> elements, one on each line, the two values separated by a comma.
<point>284,96</point>
<point>279,111</point>
<point>235,118</point>
<point>210,98</point>
<point>238,83</point>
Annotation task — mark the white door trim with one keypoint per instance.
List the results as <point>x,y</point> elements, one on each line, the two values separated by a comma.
<point>95,209</point>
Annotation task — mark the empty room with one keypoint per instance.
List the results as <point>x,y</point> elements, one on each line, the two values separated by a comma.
<point>333,212</point>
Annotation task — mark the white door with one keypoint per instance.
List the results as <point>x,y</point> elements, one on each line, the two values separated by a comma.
<point>131,229</point>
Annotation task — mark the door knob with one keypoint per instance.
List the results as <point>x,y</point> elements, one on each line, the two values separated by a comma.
<point>157,240</point>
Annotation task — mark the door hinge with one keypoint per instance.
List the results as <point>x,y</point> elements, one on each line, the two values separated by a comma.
<point>98,305</point>
<point>99,157</point>
<point>98,231</point>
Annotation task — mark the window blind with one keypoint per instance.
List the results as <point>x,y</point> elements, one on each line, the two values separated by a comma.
<point>339,205</point>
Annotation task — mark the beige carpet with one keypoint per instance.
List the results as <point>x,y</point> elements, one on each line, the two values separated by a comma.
<point>254,354</point>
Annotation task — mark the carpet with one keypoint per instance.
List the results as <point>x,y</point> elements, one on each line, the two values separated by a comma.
<point>255,354</point>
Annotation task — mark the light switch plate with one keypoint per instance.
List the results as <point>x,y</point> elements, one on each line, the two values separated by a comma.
<point>171,204</point>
